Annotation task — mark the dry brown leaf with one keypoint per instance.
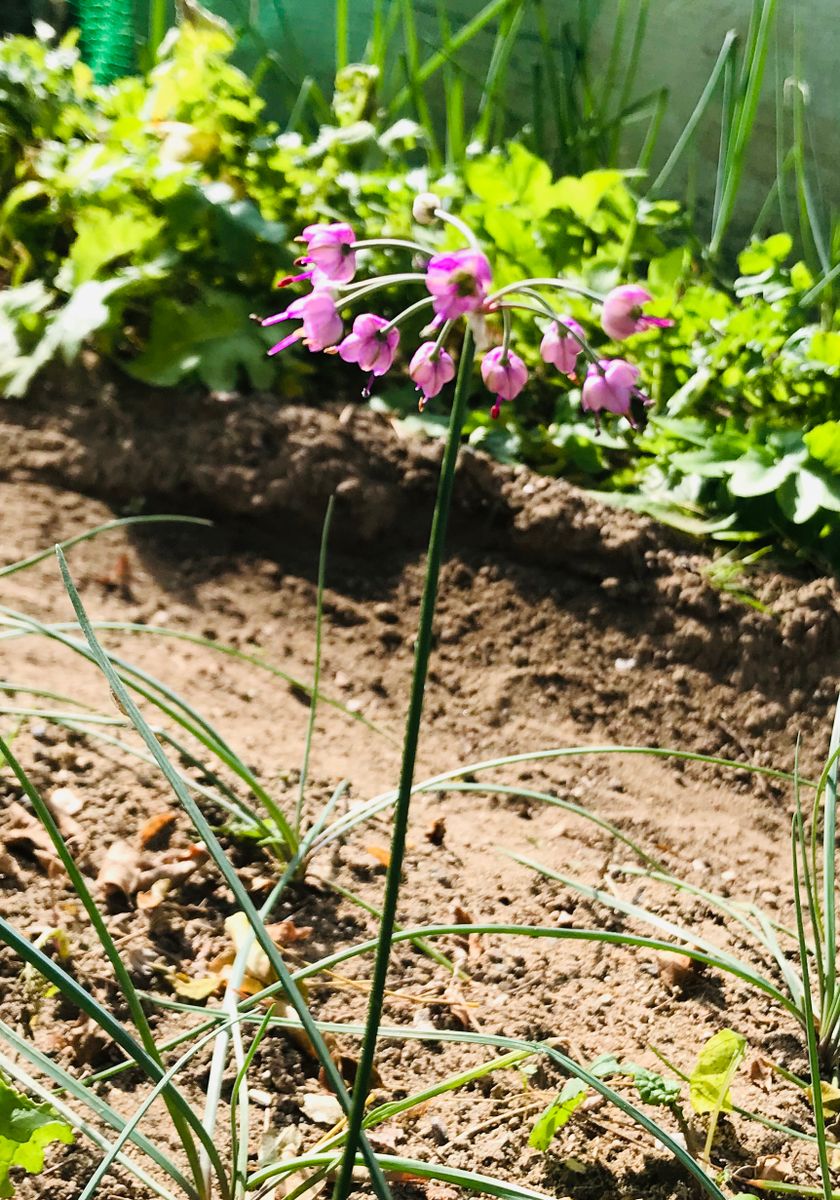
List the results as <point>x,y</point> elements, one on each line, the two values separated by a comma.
<point>23,829</point>
<point>120,870</point>
<point>131,871</point>
<point>382,856</point>
<point>436,832</point>
<point>175,866</point>
<point>321,1108</point>
<point>158,830</point>
<point>771,1169</point>
<point>197,989</point>
<point>676,970</point>
<point>286,933</point>
<point>759,1072</point>
<point>155,895</point>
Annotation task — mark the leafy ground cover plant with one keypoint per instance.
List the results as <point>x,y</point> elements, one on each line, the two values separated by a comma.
<point>117,199</point>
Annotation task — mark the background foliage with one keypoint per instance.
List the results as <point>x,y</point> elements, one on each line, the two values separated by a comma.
<point>150,217</point>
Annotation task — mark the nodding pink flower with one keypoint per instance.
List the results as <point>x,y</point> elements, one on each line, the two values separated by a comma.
<point>622,313</point>
<point>458,282</point>
<point>329,248</point>
<point>559,348</point>
<point>505,374</point>
<point>612,387</point>
<point>321,326</point>
<point>371,344</point>
<point>431,368</point>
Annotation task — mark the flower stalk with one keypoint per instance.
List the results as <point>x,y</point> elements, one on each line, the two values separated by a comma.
<point>422,652</point>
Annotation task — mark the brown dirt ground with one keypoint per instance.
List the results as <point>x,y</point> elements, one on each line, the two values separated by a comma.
<point>560,624</point>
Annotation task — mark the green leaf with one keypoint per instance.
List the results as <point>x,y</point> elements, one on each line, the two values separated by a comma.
<point>757,474</point>
<point>25,1129</point>
<point>805,493</point>
<point>213,339</point>
<point>709,1081</point>
<point>762,256</point>
<point>652,1087</point>
<point>823,442</point>
<point>585,195</point>
<point>825,348</point>
<point>103,236</point>
<point>557,1114</point>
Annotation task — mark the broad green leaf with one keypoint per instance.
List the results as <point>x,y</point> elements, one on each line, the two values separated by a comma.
<point>762,256</point>
<point>823,442</point>
<point>213,339</point>
<point>557,1114</point>
<point>666,271</point>
<point>757,475</point>
<point>709,1081</point>
<point>584,196</point>
<point>25,1130</point>
<point>805,493</point>
<point>103,236</point>
<point>825,348</point>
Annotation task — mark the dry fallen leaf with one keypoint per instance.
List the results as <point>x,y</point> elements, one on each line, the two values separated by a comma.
<point>158,830</point>
<point>381,855</point>
<point>24,830</point>
<point>436,832</point>
<point>286,933</point>
<point>322,1109</point>
<point>155,895</point>
<point>676,970</point>
<point>197,989</point>
<point>771,1169</point>
<point>132,872</point>
<point>120,869</point>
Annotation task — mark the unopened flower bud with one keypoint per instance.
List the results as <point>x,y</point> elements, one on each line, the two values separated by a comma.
<point>423,208</point>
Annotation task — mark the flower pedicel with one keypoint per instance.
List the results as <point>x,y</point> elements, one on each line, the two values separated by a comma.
<point>458,284</point>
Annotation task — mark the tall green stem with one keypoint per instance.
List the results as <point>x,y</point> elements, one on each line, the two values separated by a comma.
<point>422,651</point>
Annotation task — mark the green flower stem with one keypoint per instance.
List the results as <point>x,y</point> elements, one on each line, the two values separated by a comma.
<point>403,802</point>
<point>563,285</point>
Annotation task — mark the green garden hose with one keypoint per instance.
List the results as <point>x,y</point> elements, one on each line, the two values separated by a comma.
<point>108,37</point>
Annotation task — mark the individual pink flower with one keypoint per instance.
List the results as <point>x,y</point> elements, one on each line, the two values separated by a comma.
<point>559,348</point>
<point>458,282</point>
<point>505,374</point>
<point>371,344</point>
<point>622,313</point>
<point>612,387</point>
<point>321,326</point>
<point>329,248</point>
<point>431,368</point>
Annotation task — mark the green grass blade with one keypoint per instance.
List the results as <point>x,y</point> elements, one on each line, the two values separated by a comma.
<point>446,53</point>
<point>23,1079</point>
<point>121,975</point>
<point>727,50</point>
<point>379,803</point>
<point>227,871</point>
<point>316,677</point>
<point>117,523</point>
<point>798,845</point>
<point>65,1082</point>
<point>342,34</point>
<point>578,810</point>
<point>114,1029</point>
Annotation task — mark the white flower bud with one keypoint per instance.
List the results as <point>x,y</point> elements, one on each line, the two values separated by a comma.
<point>423,208</point>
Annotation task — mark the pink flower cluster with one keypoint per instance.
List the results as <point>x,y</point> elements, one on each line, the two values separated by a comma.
<point>458,284</point>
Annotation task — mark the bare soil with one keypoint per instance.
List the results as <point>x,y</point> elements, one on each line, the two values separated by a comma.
<point>561,624</point>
